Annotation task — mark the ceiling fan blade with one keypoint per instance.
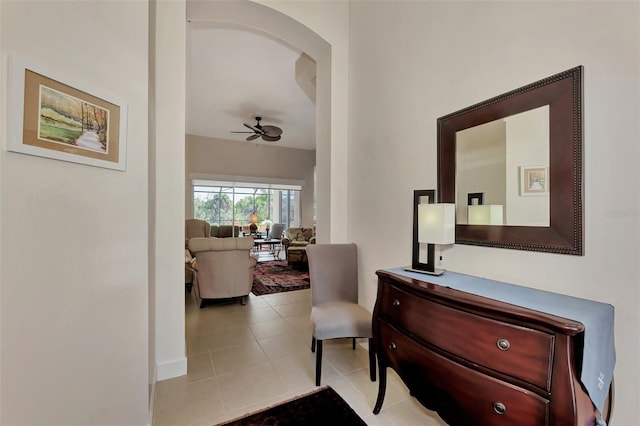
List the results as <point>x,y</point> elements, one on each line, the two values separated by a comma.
<point>272,130</point>
<point>255,129</point>
<point>241,132</point>
<point>253,137</point>
<point>271,138</point>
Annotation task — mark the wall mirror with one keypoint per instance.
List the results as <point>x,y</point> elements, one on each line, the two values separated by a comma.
<point>513,166</point>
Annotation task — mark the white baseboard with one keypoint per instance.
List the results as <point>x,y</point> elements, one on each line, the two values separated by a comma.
<point>171,369</point>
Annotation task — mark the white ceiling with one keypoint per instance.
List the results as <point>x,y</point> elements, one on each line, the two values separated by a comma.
<point>233,75</point>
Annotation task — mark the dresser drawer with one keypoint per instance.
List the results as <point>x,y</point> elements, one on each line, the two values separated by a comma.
<point>513,350</point>
<point>446,386</point>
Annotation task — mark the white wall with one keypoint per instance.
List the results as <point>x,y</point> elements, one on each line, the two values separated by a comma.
<point>74,237</point>
<point>329,20</point>
<point>481,166</point>
<point>236,158</point>
<point>412,62</point>
<point>527,145</point>
<point>167,155</point>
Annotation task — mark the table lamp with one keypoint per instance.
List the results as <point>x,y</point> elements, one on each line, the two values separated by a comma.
<point>434,223</point>
<point>267,226</point>
<point>253,219</point>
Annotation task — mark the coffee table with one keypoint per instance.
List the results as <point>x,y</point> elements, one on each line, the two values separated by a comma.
<point>274,245</point>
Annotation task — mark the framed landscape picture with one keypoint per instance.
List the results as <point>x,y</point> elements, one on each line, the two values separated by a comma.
<point>534,180</point>
<point>64,121</point>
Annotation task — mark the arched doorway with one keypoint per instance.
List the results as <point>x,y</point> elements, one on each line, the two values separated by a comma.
<point>166,310</point>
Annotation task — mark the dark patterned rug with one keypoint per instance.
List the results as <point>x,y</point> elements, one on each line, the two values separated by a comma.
<point>276,277</point>
<point>322,407</point>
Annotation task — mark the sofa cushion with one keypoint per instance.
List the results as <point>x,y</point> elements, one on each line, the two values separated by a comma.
<point>219,244</point>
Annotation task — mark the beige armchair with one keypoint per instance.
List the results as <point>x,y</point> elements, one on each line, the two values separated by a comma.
<point>294,242</point>
<point>224,268</point>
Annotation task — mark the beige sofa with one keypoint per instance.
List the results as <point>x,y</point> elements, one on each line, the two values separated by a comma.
<point>224,268</point>
<point>195,228</point>
<point>224,231</point>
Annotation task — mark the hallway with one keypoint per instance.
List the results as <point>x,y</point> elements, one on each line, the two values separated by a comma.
<point>244,358</point>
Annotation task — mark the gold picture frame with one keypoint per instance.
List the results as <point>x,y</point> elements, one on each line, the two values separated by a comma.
<point>51,118</point>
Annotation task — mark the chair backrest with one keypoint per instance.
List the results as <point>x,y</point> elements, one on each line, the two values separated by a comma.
<point>276,231</point>
<point>224,267</point>
<point>299,234</point>
<point>333,272</point>
<point>196,228</point>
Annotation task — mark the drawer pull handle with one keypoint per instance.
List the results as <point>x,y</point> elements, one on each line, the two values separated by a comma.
<point>393,346</point>
<point>499,408</point>
<point>396,303</point>
<point>503,344</point>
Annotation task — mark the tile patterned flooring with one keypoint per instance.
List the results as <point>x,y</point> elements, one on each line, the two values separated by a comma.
<point>245,358</point>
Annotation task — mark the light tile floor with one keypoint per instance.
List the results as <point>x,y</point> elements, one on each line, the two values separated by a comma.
<point>245,358</point>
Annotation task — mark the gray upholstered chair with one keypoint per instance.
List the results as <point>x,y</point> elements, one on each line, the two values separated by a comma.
<point>275,233</point>
<point>335,312</point>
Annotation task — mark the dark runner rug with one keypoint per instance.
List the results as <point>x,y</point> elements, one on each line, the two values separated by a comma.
<point>322,407</point>
<point>276,277</point>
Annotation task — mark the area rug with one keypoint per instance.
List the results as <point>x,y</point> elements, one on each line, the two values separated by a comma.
<point>276,277</point>
<point>322,407</point>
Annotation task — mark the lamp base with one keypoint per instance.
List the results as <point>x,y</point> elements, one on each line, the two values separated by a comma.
<point>424,271</point>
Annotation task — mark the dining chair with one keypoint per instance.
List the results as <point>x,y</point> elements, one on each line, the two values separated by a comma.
<point>335,312</point>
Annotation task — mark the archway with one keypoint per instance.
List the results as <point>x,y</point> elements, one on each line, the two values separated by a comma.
<point>168,329</point>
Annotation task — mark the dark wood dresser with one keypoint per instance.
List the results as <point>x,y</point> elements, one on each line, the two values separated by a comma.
<point>478,361</point>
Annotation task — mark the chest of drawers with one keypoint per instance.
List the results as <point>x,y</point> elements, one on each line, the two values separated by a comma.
<point>478,361</point>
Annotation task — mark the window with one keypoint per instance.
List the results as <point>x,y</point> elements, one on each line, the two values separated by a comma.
<point>227,203</point>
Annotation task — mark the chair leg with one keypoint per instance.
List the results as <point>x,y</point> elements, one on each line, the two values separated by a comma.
<point>318,361</point>
<point>372,361</point>
<point>313,344</point>
<point>353,344</point>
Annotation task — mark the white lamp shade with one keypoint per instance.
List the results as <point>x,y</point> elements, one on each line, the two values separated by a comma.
<point>437,223</point>
<point>253,218</point>
<point>485,215</point>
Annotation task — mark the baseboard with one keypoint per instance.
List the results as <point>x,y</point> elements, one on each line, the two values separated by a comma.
<point>171,369</point>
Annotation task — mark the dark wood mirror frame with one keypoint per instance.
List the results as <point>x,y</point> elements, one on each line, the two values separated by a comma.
<point>563,93</point>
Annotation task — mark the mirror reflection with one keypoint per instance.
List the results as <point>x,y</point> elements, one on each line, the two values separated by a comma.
<point>502,171</point>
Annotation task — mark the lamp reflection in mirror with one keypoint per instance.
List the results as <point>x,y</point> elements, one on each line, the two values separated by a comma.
<point>435,225</point>
<point>491,214</point>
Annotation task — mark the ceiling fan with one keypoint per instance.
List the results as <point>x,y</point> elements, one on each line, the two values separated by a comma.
<point>268,133</point>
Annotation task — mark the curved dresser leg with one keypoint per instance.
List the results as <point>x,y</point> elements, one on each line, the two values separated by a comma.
<point>382,387</point>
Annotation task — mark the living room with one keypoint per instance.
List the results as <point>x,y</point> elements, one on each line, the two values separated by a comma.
<point>97,328</point>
